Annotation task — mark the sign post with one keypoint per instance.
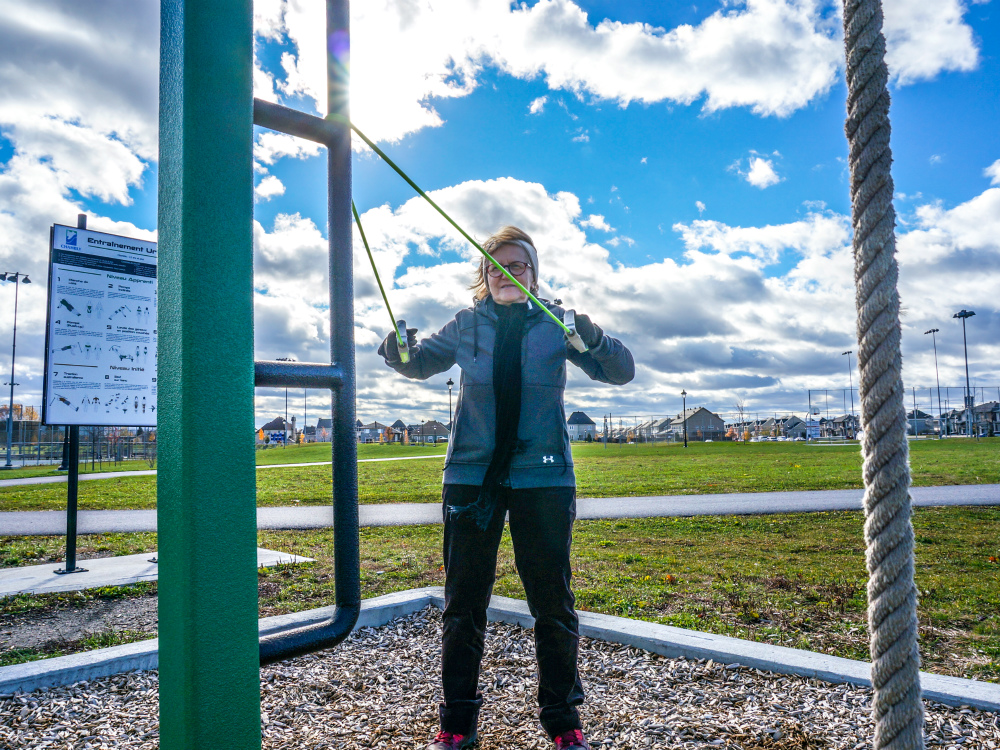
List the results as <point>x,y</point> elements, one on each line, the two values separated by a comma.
<point>100,342</point>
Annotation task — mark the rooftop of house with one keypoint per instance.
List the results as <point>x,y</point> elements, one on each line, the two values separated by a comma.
<point>278,423</point>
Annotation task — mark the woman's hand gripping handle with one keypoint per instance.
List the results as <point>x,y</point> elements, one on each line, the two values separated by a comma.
<point>585,333</point>
<point>393,351</point>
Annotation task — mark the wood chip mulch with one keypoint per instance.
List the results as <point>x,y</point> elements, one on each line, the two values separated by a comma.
<point>379,689</point>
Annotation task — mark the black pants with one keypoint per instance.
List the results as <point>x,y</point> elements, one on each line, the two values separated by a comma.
<point>541,528</point>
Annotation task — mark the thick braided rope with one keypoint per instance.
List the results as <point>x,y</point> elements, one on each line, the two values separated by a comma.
<point>892,595</point>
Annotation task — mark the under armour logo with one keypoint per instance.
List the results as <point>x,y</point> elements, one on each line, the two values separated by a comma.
<point>548,459</point>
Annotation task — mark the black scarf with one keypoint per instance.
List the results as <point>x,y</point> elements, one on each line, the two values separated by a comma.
<point>507,396</point>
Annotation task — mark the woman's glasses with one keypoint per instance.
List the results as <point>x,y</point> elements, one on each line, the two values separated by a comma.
<point>517,268</point>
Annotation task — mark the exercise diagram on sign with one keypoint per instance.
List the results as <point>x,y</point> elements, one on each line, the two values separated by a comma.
<point>100,356</point>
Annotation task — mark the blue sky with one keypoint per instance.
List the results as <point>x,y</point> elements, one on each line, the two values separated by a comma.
<point>681,168</point>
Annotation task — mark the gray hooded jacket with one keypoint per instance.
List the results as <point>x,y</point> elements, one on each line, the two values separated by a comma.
<point>542,457</point>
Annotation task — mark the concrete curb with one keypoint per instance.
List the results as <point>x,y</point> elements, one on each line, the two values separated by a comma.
<point>660,639</point>
<point>674,642</point>
<point>90,665</point>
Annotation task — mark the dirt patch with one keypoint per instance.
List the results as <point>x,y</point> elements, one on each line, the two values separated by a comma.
<point>50,629</point>
<point>64,625</point>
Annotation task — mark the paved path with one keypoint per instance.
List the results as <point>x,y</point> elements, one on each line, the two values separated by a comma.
<point>116,474</point>
<point>53,522</point>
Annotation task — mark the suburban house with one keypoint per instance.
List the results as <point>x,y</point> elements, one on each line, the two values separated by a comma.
<point>846,425</point>
<point>372,433</point>
<point>323,430</point>
<point>429,432</point>
<point>659,429</point>
<point>701,425</point>
<point>988,418</point>
<point>277,431</point>
<point>985,420</point>
<point>751,427</point>
<point>792,426</point>
<point>396,431</point>
<point>580,426</point>
<point>919,422</point>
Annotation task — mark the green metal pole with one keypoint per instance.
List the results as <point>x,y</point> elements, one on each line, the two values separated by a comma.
<point>206,514</point>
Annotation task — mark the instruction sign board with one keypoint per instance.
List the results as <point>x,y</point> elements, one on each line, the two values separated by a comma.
<point>812,429</point>
<point>100,340</point>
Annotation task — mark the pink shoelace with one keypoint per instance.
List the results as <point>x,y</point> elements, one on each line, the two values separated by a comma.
<point>568,739</point>
<point>449,739</point>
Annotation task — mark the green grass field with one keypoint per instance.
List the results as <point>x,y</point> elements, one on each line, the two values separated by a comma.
<point>796,580</point>
<point>265,457</point>
<point>618,470</point>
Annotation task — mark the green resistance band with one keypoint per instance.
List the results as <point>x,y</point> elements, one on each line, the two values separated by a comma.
<point>422,194</point>
<point>397,325</point>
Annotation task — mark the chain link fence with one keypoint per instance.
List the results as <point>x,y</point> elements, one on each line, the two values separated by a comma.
<point>35,444</point>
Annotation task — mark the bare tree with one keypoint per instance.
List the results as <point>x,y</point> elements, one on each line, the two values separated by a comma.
<point>741,410</point>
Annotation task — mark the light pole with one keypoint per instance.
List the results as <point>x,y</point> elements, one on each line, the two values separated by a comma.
<point>684,396</point>
<point>16,278</point>
<point>968,399</point>
<point>450,383</point>
<point>937,377</point>
<point>284,443</point>
<point>850,379</point>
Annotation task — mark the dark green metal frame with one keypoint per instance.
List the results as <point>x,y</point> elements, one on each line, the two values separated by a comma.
<point>209,649</point>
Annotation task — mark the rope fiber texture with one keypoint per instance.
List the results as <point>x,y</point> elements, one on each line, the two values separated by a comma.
<point>892,594</point>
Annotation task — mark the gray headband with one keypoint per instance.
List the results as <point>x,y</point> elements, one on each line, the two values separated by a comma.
<point>532,257</point>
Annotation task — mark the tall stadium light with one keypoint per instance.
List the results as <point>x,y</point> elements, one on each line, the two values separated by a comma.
<point>968,391</point>
<point>284,443</point>
<point>684,396</point>
<point>850,379</point>
<point>937,377</point>
<point>16,278</point>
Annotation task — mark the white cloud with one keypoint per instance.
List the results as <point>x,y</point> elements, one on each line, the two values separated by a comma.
<point>596,221</point>
<point>936,159</point>
<point>719,305</point>
<point>809,238</point>
<point>762,174</point>
<point>537,106</point>
<point>269,187</point>
<point>271,146</point>
<point>758,171</point>
<point>94,66</point>
<point>82,159</point>
<point>700,206</point>
<point>621,240</point>
<point>582,136</point>
<point>772,56</point>
<point>993,172</point>
<point>924,39</point>
<point>730,322</point>
<point>643,160</point>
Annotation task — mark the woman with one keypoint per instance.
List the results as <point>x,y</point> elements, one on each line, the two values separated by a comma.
<point>509,452</point>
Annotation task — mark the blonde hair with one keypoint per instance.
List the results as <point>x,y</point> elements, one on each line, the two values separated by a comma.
<point>507,235</point>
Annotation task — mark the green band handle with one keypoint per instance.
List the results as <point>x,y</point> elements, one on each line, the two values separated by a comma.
<point>397,325</point>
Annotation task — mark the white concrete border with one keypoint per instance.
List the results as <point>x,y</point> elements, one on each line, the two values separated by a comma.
<point>90,665</point>
<point>660,639</point>
<point>108,571</point>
